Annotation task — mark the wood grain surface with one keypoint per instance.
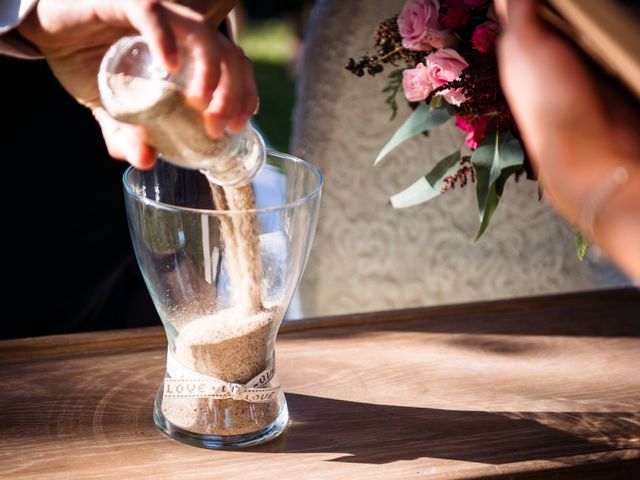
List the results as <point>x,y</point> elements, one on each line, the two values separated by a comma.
<point>544,387</point>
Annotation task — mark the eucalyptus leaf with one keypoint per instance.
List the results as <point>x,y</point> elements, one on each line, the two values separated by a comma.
<point>498,157</point>
<point>429,186</point>
<point>422,118</point>
<point>489,209</point>
<point>497,152</point>
<point>416,194</point>
<point>445,167</point>
<point>493,198</point>
<point>508,154</point>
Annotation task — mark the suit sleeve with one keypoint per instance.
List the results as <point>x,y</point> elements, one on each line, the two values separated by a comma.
<point>12,12</point>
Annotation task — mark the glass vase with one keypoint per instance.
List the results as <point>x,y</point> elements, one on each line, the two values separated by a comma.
<point>221,281</point>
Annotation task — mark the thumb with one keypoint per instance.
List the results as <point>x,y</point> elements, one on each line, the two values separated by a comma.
<point>125,141</point>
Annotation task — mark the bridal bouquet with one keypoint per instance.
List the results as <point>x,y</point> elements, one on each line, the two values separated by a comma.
<point>443,59</point>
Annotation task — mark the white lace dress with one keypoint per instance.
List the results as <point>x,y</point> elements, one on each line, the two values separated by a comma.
<point>368,256</point>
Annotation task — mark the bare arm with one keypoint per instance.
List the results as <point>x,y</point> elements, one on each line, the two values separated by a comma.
<point>579,144</point>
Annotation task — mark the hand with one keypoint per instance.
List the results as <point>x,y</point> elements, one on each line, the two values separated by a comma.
<point>74,35</point>
<point>572,137</point>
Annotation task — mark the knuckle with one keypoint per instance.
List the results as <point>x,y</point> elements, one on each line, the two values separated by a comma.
<point>150,7</point>
<point>230,110</point>
<point>250,105</point>
<point>220,112</point>
<point>248,68</point>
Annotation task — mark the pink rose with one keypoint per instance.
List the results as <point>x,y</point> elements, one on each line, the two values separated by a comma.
<point>476,3</point>
<point>440,67</point>
<point>484,36</point>
<point>454,13</point>
<point>416,83</point>
<point>444,66</point>
<point>476,129</point>
<point>419,26</point>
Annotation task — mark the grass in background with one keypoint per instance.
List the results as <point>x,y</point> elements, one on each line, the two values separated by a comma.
<point>270,46</point>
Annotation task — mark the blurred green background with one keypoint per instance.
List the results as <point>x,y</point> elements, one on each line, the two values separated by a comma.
<point>270,37</point>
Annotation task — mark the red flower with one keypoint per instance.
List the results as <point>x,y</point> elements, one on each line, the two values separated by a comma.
<point>454,13</point>
<point>476,3</point>
<point>485,35</point>
<point>476,127</point>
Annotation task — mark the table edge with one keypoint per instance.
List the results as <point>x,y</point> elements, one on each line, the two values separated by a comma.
<point>137,339</point>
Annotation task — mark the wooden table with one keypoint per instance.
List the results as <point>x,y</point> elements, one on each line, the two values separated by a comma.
<point>544,387</point>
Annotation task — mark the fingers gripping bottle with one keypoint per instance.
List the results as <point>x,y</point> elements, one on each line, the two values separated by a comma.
<point>134,88</point>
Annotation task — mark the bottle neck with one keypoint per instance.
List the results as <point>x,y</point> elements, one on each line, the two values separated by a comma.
<point>241,162</point>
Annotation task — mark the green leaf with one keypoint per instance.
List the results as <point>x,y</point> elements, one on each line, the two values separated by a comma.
<point>582,244</point>
<point>498,157</point>
<point>445,167</point>
<point>392,88</point>
<point>437,102</point>
<point>429,186</point>
<point>420,120</point>
<point>540,191</point>
<point>493,198</point>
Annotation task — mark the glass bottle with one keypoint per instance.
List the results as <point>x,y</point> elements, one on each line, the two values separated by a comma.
<point>134,88</point>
